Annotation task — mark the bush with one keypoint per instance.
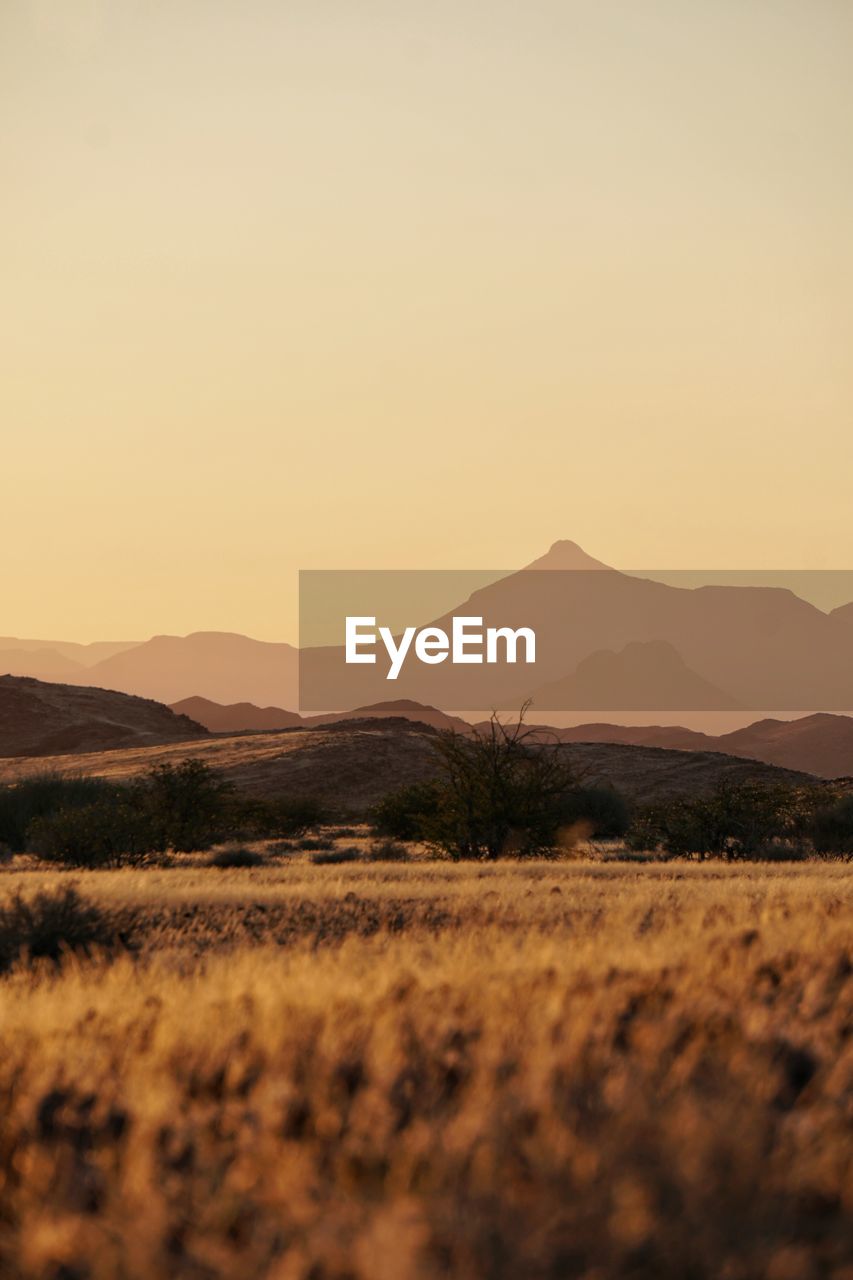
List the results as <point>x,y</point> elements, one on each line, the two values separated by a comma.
<point>285,818</point>
<point>23,803</point>
<point>388,851</point>
<point>502,790</point>
<point>236,856</point>
<point>739,820</point>
<point>603,808</point>
<point>831,827</point>
<point>409,813</point>
<point>110,833</point>
<point>189,805</point>
<point>54,923</point>
<point>331,857</point>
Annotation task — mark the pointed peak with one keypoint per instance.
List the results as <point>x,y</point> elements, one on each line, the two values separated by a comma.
<point>565,554</point>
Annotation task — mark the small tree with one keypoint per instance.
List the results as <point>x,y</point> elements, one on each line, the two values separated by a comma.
<point>502,790</point>
<point>189,805</point>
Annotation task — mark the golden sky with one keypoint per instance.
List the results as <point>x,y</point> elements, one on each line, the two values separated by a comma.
<point>372,283</point>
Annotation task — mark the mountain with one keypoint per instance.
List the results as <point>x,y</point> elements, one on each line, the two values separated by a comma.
<point>757,647</point>
<point>241,717</point>
<point>822,744</point>
<point>43,664</point>
<point>404,708</point>
<point>217,665</point>
<point>40,719</point>
<point>236,718</point>
<point>84,654</point>
<point>819,744</point>
<point>644,676</point>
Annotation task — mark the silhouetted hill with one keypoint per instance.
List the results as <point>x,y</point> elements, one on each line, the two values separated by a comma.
<point>649,676</point>
<point>237,717</point>
<point>244,716</point>
<point>84,654</point>
<point>40,719</point>
<point>218,665</point>
<point>404,708</point>
<point>818,744</point>
<point>822,744</point>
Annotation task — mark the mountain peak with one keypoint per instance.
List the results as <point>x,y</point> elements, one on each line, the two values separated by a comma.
<point>565,554</point>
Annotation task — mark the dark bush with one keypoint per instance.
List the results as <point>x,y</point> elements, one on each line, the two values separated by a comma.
<point>831,827</point>
<point>409,813</point>
<point>54,923</point>
<point>739,820</point>
<point>107,834</point>
<point>42,796</point>
<point>388,851</point>
<point>189,805</point>
<point>236,856</point>
<point>502,790</point>
<point>603,808</point>
<point>283,818</point>
<point>331,857</point>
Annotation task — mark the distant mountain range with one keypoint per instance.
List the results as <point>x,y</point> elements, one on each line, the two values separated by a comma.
<point>242,717</point>
<point>821,744</point>
<point>219,665</point>
<point>607,642</point>
<point>611,641</point>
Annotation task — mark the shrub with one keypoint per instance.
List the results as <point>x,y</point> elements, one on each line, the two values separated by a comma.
<point>315,843</point>
<point>189,805</point>
<point>388,851</point>
<point>739,820</point>
<point>502,790</point>
<point>285,818</point>
<point>831,827</point>
<point>109,833</point>
<point>56,922</point>
<point>603,808</point>
<point>331,857</point>
<point>236,856</point>
<point>409,813</point>
<point>42,796</point>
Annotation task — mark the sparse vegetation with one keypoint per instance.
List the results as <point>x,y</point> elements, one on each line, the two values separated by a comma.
<point>335,854</point>
<point>235,855</point>
<point>433,1071</point>
<point>53,923</point>
<point>831,827</point>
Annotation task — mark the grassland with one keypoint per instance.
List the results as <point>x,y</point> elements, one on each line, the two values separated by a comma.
<point>520,1071</point>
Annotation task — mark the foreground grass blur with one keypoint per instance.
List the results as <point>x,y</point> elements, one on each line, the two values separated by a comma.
<point>405,1072</point>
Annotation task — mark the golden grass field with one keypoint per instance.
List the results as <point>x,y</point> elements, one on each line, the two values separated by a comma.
<point>419,1070</point>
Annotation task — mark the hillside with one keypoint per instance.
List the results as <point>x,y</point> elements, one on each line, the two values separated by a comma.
<point>351,767</point>
<point>40,719</point>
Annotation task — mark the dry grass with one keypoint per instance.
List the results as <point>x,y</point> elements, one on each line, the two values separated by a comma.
<point>376,1071</point>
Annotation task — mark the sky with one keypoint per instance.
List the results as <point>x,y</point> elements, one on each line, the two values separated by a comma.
<point>370,284</point>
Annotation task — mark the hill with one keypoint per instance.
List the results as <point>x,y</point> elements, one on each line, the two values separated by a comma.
<point>350,767</point>
<point>648,676</point>
<point>40,719</point>
<point>245,716</point>
<point>221,666</point>
<point>237,717</point>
